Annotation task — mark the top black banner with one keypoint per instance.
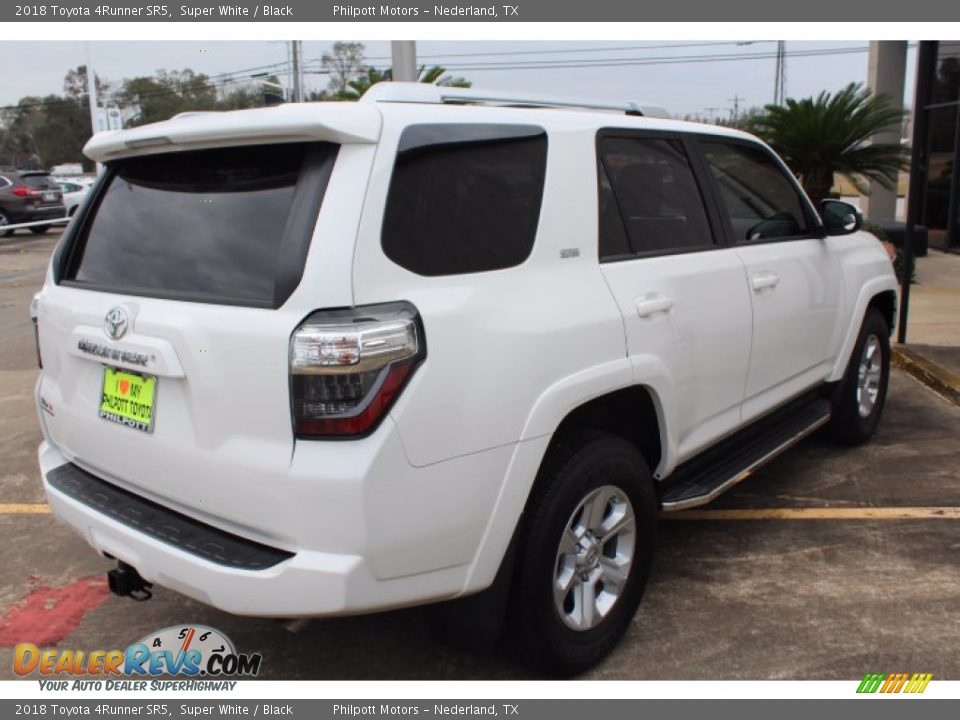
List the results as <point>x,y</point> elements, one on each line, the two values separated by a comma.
<point>486,11</point>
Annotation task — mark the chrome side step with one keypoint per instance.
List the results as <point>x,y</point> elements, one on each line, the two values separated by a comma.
<point>718,469</point>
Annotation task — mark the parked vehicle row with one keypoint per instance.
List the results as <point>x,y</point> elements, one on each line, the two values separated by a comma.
<point>29,196</point>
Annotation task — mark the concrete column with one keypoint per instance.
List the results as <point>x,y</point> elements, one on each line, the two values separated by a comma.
<point>885,73</point>
<point>404,55</point>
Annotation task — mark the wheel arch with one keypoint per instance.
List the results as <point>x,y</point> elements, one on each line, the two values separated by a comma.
<point>630,412</point>
<point>878,292</point>
<point>626,402</point>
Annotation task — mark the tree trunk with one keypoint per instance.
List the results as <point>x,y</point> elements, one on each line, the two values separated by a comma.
<point>818,185</point>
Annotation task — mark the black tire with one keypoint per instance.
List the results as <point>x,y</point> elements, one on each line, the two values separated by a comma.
<point>576,466</point>
<point>39,229</point>
<point>849,425</point>
<point>4,220</point>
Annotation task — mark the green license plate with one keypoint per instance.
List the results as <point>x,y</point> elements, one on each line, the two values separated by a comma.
<point>128,399</point>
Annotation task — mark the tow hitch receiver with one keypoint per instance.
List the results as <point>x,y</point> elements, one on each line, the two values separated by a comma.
<point>125,581</point>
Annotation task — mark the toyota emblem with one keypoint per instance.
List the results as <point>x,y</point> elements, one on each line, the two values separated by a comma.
<point>115,323</point>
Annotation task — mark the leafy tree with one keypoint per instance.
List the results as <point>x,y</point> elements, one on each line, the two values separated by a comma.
<point>432,75</point>
<point>831,134</point>
<point>40,132</point>
<point>75,84</point>
<point>346,61</point>
<point>165,94</point>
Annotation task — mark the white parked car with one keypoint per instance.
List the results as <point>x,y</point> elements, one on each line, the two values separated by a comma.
<point>440,344</point>
<point>75,189</point>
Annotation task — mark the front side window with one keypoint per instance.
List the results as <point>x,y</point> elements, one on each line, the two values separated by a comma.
<point>464,198</point>
<point>649,198</point>
<point>761,202</point>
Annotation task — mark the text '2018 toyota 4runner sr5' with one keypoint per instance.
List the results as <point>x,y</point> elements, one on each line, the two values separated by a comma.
<point>439,345</point>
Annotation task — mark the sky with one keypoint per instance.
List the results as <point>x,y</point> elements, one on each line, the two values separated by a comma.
<point>686,77</point>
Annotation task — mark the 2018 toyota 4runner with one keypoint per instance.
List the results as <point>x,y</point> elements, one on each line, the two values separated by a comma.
<point>440,345</point>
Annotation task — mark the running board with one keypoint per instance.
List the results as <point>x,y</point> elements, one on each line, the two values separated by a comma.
<point>700,480</point>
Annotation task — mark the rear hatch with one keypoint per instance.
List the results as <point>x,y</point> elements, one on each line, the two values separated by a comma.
<point>165,323</point>
<point>44,191</point>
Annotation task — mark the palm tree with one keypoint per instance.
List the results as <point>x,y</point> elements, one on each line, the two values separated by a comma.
<point>831,134</point>
<point>432,75</point>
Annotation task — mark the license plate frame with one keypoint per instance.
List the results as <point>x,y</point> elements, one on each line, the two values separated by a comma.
<point>49,197</point>
<point>123,395</point>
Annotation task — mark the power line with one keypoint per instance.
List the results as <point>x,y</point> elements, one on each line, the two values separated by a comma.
<point>508,53</point>
<point>635,61</point>
<point>559,64</point>
<point>623,62</point>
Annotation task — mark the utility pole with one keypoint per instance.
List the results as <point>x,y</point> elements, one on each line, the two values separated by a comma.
<point>91,92</point>
<point>296,51</point>
<point>711,113</point>
<point>736,100</point>
<point>780,74</point>
<point>92,100</point>
<point>404,56</point>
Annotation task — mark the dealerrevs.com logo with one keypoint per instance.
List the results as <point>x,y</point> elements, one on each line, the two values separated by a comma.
<point>191,651</point>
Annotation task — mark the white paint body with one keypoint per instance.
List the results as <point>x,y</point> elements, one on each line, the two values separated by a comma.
<point>424,508</point>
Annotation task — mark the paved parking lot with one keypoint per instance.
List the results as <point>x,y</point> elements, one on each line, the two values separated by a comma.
<point>825,564</point>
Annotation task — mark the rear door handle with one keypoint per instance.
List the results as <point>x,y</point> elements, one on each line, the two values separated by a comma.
<point>764,280</point>
<point>652,304</point>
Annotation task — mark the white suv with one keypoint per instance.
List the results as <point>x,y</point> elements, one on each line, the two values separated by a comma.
<point>336,358</point>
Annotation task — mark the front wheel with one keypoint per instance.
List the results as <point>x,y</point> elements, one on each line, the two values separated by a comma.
<point>587,544</point>
<point>859,399</point>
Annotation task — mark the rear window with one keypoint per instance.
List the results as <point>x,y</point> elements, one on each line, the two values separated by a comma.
<point>464,198</point>
<point>228,225</point>
<point>39,182</point>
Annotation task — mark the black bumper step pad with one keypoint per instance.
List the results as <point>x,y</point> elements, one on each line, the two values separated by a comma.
<point>164,524</point>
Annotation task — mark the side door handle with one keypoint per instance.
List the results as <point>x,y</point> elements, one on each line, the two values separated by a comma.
<point>648,305</point>
<point>764,280</point>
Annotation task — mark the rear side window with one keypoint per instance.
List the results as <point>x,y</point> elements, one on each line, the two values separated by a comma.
<point>760,200</point>
<point>228,225</point>
<point>649,198</point>
<point>464,198</point>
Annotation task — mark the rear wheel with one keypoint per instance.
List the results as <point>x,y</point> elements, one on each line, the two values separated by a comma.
<point>39,229</point>
<point>4,221</point>
<point>858,401</point>
<point>587,544</point>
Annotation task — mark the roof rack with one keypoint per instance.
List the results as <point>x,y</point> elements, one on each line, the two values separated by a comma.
<point>407,92</point>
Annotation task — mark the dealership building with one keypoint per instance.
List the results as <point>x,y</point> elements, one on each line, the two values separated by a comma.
<point>934,199</point>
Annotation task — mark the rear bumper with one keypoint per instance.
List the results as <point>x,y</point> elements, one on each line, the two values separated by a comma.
<point>414,560</point>
<point>25,215</point>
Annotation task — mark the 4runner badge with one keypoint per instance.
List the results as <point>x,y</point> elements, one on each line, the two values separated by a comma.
<point>115,323</point>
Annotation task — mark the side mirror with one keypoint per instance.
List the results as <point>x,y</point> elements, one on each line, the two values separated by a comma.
<point>840,218</point>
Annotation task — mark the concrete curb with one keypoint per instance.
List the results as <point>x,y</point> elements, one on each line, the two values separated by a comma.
<point>929,373</point>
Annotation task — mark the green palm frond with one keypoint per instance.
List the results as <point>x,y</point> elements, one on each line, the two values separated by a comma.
<point>831,134</point>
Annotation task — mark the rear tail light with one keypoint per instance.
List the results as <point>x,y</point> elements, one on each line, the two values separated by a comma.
<point>25,192</point>
<point>348,366</point>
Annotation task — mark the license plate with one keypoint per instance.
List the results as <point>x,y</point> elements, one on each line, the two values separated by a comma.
<point>128,399</point>
<point>49,197</point>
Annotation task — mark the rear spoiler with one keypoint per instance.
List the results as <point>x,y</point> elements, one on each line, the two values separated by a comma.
<point>337,122</point>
